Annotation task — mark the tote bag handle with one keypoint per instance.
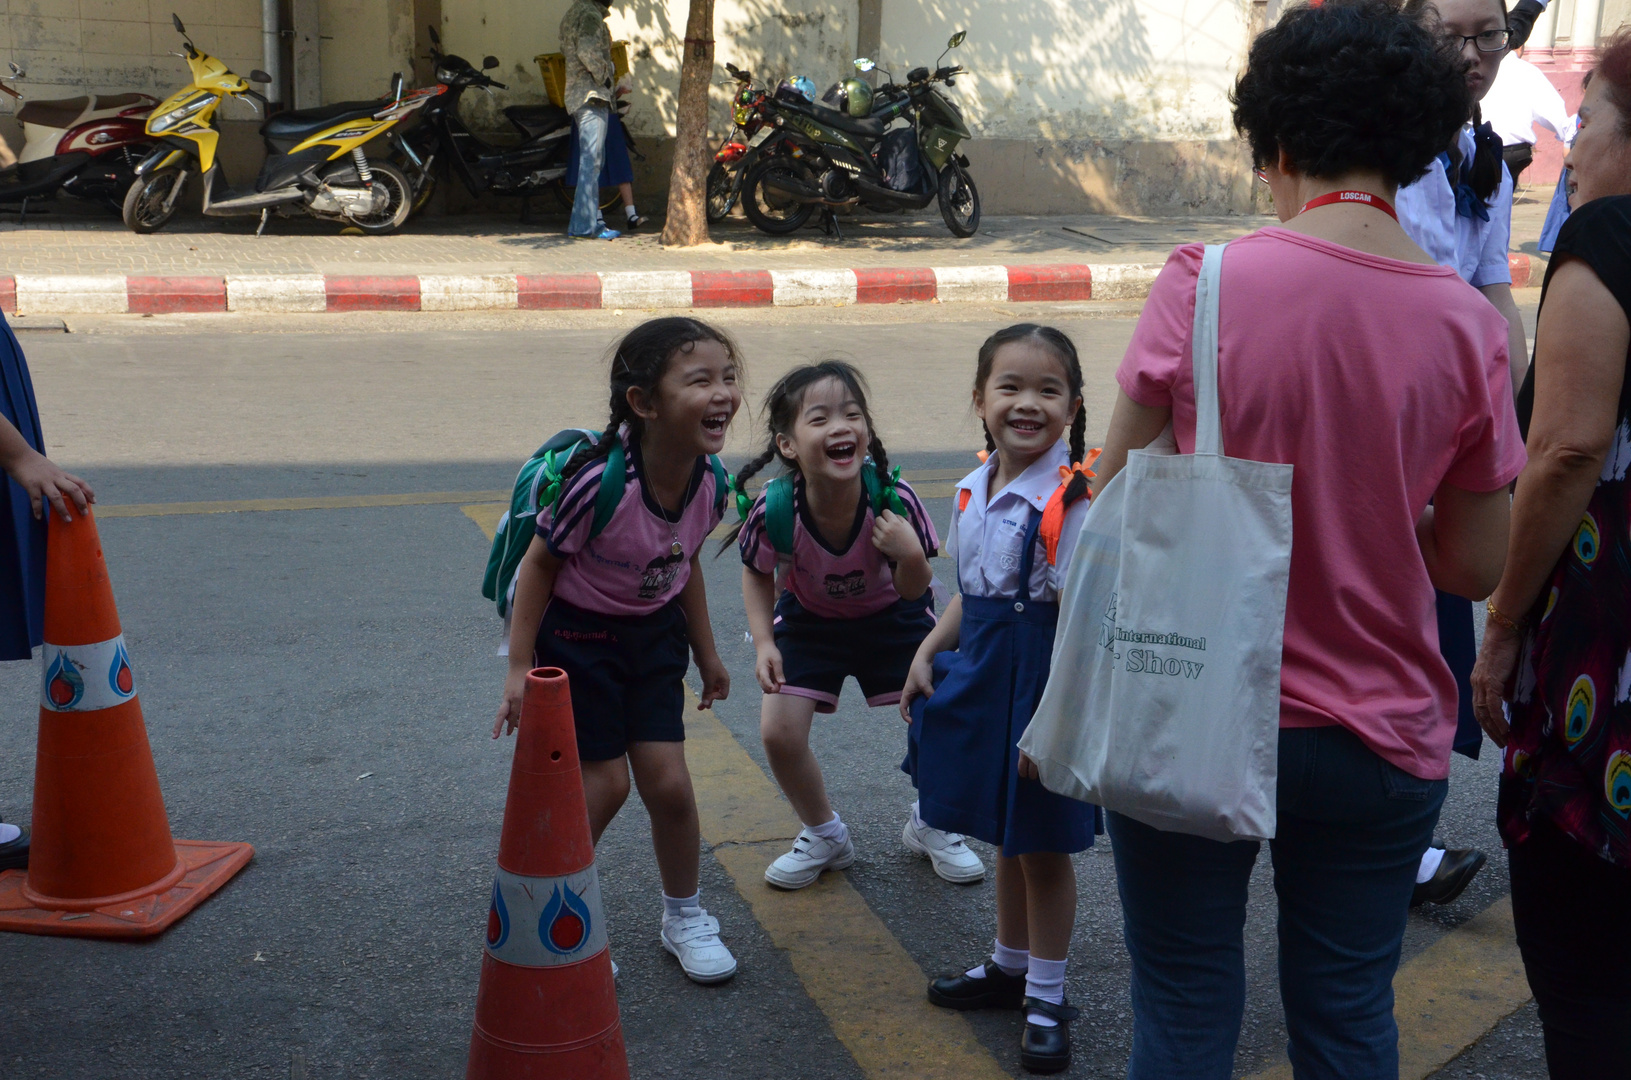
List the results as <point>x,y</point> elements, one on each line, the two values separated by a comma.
<point>1204,354</point>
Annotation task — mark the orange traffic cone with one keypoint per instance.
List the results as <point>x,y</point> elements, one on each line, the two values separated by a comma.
<point>547,1009</point>
<point>102,862</point>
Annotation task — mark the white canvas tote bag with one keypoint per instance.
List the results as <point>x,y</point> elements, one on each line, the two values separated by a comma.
<point>1163,701</point>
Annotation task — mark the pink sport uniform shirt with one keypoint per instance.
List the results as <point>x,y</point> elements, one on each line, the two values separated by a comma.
<point>630,568</point>
<point>835,584</point>
<point>1379,380</point>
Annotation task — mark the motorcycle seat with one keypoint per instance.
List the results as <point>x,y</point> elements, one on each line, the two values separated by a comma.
<point>867,128</point>
<point>59,113</point>
<point>121,101</point>
<point>301,122</point>
<point>535,120</point>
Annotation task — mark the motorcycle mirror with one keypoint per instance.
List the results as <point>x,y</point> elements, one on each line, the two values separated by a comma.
<point>435,38</point>
<point>16,72</point>
<point>863,64</point>
<point>396,86</point>
<point>957,39</point>
<point>259,76</point>
<point>489,63</point>
<point>174,18</point>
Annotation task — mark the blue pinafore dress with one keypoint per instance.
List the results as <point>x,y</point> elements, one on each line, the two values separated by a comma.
<point>964,739</point>
<point>22,536</point>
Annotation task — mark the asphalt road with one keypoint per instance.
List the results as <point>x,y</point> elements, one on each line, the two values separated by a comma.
<point>321,684</point>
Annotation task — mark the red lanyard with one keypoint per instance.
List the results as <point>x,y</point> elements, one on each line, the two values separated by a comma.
<point>1364,197</point>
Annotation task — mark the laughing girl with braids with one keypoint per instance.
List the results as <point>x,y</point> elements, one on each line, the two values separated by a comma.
<point>622,609</point>
<point>846,546</point>
<point>978,675</point>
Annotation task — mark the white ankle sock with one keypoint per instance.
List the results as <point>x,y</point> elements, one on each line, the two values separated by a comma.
<point>835,830</point>
<point>1045,980</point>
<point>674,906</point>
<point>9,832</point>
<point>1008,961</point>
<point>1429,865</point>
<point>917,818</point>
<point>630,212</point>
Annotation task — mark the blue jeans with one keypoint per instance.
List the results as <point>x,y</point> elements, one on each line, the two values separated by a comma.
<point>1352,829</point>
<point>591,119</point>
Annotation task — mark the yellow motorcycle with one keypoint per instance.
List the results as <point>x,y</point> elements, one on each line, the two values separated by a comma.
<point>315,162</point>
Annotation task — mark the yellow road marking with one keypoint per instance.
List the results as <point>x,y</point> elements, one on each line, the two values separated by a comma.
<point>1452,993</point>
<point>874,995</point>
<point>315,502</point>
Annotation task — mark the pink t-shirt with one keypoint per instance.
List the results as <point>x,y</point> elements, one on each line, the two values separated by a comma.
<point>835,584</point>
<point>1379,380</point>
<point>631,567</point>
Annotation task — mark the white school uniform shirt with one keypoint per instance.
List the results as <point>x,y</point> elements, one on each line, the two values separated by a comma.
<point>1519,98</point>
<point>985,538</point>
<point>1474,249</point>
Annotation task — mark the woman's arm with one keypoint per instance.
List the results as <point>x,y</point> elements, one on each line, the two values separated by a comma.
<point>1132,427</point>
<point>534,585</point>
<point>1580,351</point>
<point>693,600</point>
<point>759,596</point>
<point>1517,342</point>
<point>920,678</point>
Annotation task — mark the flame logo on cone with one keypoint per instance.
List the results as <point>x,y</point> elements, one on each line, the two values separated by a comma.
<point>64,686</point>
<point>564,925</point>
<point>498,920</point>
<point>120,677</point>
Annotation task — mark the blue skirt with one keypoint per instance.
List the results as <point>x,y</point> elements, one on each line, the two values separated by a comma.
<point>1460,650</point>
<point>615,166</point>
<point>964,739</point>
<point>22,538</point>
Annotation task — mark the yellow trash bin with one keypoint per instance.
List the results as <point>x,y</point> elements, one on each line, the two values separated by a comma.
<point>553,68</point>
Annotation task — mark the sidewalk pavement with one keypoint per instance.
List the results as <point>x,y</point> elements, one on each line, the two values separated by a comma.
<point>77,260</point>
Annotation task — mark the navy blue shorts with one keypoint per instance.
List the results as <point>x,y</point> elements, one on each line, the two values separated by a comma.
<point>626,673</point>
<point>818,652</point>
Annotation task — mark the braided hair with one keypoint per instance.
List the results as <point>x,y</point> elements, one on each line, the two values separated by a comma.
<point>641,360</point>
<point>1063,349</point>
<point>782,408</point>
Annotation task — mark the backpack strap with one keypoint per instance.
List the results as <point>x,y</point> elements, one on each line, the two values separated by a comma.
<point>722,484</point>
<point>610,495</point>
<point>963,497</point>
<point>878,496</point>
<point>1053,514</point>
<point>779,514</point>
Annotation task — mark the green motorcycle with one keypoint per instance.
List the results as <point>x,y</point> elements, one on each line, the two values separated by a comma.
<point>847,152</point>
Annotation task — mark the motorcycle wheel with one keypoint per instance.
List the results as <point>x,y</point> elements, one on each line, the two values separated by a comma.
<point>426,190</point>
<point>774,215</point>
<point>399,205</point>
<point>143,209</point>
<point>959,201</point>
<point>720,196</point>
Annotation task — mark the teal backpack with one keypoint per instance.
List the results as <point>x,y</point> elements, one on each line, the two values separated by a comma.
<point>539,484</point>
<point>779,504</point>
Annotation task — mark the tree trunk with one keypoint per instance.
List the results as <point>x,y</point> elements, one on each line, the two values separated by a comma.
<point>687,222</point>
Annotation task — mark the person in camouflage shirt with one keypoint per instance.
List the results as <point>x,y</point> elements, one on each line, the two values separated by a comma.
<point>586,46</point>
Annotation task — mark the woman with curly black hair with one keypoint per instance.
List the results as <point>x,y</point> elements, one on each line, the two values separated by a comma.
<point>1346,351</point>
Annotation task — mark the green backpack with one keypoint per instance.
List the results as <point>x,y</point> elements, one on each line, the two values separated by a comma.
<point>779,504</point>
<point>539,484</point>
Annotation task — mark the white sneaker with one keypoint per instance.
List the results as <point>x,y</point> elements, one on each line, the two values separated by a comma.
<point>809,857</point>
<point>693,938</point>
<point>951,858</point>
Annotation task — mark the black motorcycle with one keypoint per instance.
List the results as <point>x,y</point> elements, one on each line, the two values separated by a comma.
<point>532,166</point>
<point>842,153</point>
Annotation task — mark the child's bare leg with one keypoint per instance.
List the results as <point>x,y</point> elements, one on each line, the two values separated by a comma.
<point>1050,899</point>
<point>1013,907</point>
<point>665,787</point>
<point>605,789</point>
<point>784,725</point>
<point>627,191</point>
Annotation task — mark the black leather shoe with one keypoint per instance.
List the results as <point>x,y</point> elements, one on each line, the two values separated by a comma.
<point>996,991</point>
<point>1455,873</point>
<point>1046,1049</point>
<point>14,856</point>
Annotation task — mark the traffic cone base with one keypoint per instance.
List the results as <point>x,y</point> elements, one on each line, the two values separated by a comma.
<point>202,867</point>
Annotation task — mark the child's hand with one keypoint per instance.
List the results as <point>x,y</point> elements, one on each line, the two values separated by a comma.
<point>1027,767</point>
<point>509,709</point>
<point>768,670</point>
<point>919,684</point>
<point>716,681</point>
<point>46,482</point>
<point>894,536</point>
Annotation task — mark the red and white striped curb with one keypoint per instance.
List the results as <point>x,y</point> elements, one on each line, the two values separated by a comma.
<point>117,294</point>
<point>29,294</point>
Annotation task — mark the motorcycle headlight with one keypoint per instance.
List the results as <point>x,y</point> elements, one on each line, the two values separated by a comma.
<point>742,117</point>
<point>167,120</point>
<point>446,75</point>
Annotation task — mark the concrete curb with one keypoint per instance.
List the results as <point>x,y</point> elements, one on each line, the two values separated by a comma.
<point>117,294</point>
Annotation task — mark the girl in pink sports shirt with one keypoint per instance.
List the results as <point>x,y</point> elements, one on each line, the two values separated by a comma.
<point>623,611</point>
<point>847,549</point>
